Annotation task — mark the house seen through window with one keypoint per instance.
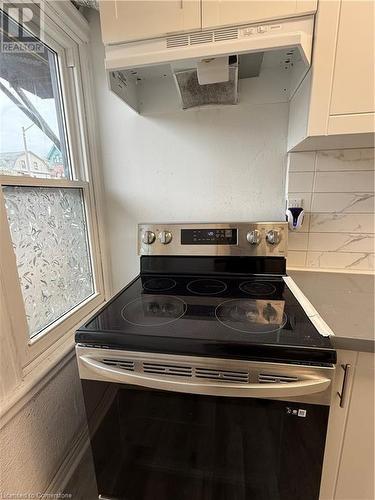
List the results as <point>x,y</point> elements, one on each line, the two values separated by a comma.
<point>31,113</point>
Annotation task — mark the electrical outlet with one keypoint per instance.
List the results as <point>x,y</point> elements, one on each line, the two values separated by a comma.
<point>295,203</point>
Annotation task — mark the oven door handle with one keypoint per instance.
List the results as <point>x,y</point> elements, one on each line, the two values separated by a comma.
<point>92,369</point>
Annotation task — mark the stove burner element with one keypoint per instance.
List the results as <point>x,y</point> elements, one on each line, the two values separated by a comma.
<point>252,316</point>
<point>159,284</point>
<point>257,288</point>
<point>154,310</point>
<point>206,286</point>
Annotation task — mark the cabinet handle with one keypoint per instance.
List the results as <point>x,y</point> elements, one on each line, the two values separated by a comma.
<point>345,383</point>
<point>181,4</point>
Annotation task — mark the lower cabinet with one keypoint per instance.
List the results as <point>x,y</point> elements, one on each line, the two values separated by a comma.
<point>348,470</point>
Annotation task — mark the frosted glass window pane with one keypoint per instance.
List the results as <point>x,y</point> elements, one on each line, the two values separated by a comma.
<point>49,235</point>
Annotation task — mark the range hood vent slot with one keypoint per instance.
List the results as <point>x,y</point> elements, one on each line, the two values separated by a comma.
<point>177,41</point>
<point>200,37</point>
<point>225,34</point>
<point>203,37</point>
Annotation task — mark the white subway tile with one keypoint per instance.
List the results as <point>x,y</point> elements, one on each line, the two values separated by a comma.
<point>364,263</point>
<point>340,260</point>
<point>296,259</point>
<point>343,202</point>
<point>343,182</point>
<point>297,241</point>
<point>341,242</point>
<point>341,219</point>
<point>342,223</point>
<point>345,159</point>
<point>300,182</point>
<point>302,162</point>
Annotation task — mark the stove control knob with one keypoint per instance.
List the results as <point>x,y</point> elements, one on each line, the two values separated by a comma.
<point>148,237</point>
<point>273,237</point>
<point>165,237</point>
<point>253,237</point>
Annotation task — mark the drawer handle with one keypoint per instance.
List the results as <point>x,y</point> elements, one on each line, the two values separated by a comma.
<point>345,384</point>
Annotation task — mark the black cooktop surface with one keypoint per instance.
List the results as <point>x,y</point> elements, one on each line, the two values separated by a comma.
<point>243,317</point>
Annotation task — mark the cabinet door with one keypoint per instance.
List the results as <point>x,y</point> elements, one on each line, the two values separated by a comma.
<point>353,81</point>
<point>336,424</point>
<point>226,12</point>
<point>126,20</point>
<point>356,473</point>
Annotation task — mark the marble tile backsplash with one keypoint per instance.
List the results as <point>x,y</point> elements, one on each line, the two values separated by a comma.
<point>337,189</point>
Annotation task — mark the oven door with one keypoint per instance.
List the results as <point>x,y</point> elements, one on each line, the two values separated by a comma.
<point>152,444</point>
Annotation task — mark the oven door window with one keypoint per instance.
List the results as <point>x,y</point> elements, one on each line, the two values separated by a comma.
<point>153,445</point>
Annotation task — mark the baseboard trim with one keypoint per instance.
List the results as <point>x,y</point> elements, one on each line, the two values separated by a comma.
<point>79,445</point>
<point>69,464</point>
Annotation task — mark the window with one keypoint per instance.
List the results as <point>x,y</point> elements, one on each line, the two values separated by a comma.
<point>31,108</point>
<point>52,270</point>
<point>49,235</point>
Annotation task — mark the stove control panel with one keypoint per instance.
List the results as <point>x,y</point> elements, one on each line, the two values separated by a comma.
<point>243,238</point>
<point>209,236</point>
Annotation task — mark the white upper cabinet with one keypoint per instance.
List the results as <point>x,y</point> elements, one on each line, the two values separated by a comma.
<point>226,12</point>
<point>353,82</point>
<point>334,106</point>
<point>128,20</point>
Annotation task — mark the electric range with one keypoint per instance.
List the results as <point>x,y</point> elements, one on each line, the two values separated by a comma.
<point>238,316</point>
<point>212,317</point>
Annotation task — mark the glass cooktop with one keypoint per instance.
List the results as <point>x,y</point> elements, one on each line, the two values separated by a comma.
<point>242,317</point>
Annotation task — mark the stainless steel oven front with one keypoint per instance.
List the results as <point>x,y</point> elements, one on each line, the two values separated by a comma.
<point>171,427</point>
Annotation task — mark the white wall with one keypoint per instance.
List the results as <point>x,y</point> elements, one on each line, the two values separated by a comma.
<point>209,165</point>
<point>38,438</point>
<point>337,188</point>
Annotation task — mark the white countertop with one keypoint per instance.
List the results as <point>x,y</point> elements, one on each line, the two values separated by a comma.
<point>345,302</point>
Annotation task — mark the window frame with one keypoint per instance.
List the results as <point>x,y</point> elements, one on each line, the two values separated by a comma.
<point>60,33</point>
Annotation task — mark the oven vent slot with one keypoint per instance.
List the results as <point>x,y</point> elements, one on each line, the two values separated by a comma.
<point>222,375</point>
<point>265,378</point>
<point>124,364</point>
<point>162,369</point>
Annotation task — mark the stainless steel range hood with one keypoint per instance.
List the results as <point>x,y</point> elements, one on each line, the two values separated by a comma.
<point>205,68</point>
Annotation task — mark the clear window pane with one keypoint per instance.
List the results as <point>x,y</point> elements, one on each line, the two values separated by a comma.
<point>49,235</point>
<point>32,130</point>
